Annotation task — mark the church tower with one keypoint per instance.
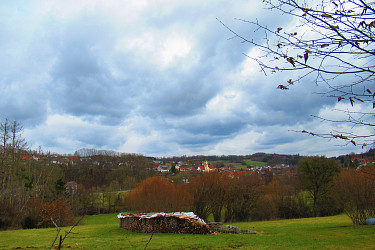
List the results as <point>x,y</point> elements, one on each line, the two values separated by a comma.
<point>205,165</point>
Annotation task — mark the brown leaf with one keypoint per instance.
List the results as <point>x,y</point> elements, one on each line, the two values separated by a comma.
<point>369,91</point>
<point>291,60</point>
<point>353,142</point>
<point>306,56</point>
<point>341,137</point>
<point>340,98</point>
<point>278,29</point>
<point>290,81</point>
<point>277,68</point>
<point>334,27</point>
<point>363,23</point>
<point>324,45</point>
<point>326,15</point>
<point>282,87</point>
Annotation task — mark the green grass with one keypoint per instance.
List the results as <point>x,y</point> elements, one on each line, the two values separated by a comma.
<point>103,232</point>
<point>254,163</point>
<point>239,165</point>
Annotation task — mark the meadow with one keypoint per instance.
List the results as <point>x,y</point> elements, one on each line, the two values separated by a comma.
<point>103,232</point>
<point>237,165</point>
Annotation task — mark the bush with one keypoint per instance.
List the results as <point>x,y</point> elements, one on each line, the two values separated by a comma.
<point>265,209</point>
<point>158,194</point>
<point>3,225</point>
<point>294,206</point>
<point>39,213</point>
<point>356,191</point>
<point>29,222</point>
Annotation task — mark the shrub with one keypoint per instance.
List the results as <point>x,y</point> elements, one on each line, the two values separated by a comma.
<point>3,225</point>
<point>29,222</point>
<point>294,206</point>
<point>356,191</point>
<point>158,194</point>
<point>39,213</point>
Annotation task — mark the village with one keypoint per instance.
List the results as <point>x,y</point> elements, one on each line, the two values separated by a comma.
<point>230,170</point>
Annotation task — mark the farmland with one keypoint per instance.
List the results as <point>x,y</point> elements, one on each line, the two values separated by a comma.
<point>238,165</point>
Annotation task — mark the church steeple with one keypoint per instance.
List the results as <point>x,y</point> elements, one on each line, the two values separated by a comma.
<point>206,168</point>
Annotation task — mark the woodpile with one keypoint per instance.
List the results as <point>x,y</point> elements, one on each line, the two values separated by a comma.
<point>164,223</point>
<point>216,226</point>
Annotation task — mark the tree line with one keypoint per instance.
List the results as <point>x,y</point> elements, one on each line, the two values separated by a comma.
<point>35,191</point>
<point>320,188</point>
<point>34,185</point>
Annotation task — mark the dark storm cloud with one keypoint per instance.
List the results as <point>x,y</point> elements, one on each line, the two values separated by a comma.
<point>153,77</point>
<point>82,83</point>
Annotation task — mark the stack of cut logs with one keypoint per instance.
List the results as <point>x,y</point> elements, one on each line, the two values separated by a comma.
<point>164,223</point>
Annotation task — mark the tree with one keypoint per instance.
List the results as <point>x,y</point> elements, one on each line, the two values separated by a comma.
<point>316,175</point>
<point>209,191</point>
<point>356,190</point>
<point>242,197</point>
<point>158,194</point>
<point>333,43</point>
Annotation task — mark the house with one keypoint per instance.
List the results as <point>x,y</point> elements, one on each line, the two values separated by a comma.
<point>72,187</point>
<point>206,167</point>
<point>163,168</point>
<point>200,169</point>
<point>363,162</point>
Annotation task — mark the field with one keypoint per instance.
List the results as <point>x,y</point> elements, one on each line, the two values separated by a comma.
<point>103,232</point>
<point>254,163</point>
<point>239,165</point>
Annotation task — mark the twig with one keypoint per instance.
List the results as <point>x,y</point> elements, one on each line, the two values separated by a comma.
<point>71,228</point>
<point>149,240</point>
<point>57,234</point>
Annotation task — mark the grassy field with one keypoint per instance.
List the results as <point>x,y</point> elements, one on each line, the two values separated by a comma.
<point>254,163</point>
<point>103,232</point>
<point>239,165</point>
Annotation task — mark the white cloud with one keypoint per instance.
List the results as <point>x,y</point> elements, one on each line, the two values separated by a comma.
<point>152,77</point>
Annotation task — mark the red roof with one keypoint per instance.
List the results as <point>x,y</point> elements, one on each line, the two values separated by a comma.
<point>363,160</point>
<point>24,157</point>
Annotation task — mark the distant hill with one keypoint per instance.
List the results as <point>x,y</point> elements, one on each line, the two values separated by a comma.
<point>257,158</point>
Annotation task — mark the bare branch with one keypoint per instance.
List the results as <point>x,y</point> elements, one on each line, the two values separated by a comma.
<point>57,233</point>
<point>333,42</point>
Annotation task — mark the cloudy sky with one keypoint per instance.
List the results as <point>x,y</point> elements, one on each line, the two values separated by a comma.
<point>154,77</point>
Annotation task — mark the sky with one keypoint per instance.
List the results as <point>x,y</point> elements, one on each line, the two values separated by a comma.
<point>152,77</point>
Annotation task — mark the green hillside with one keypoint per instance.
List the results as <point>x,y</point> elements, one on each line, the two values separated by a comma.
<point>103,232</point>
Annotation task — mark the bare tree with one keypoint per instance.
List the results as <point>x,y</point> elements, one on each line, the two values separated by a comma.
<point>316,175</point>
<point>331,43</point>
